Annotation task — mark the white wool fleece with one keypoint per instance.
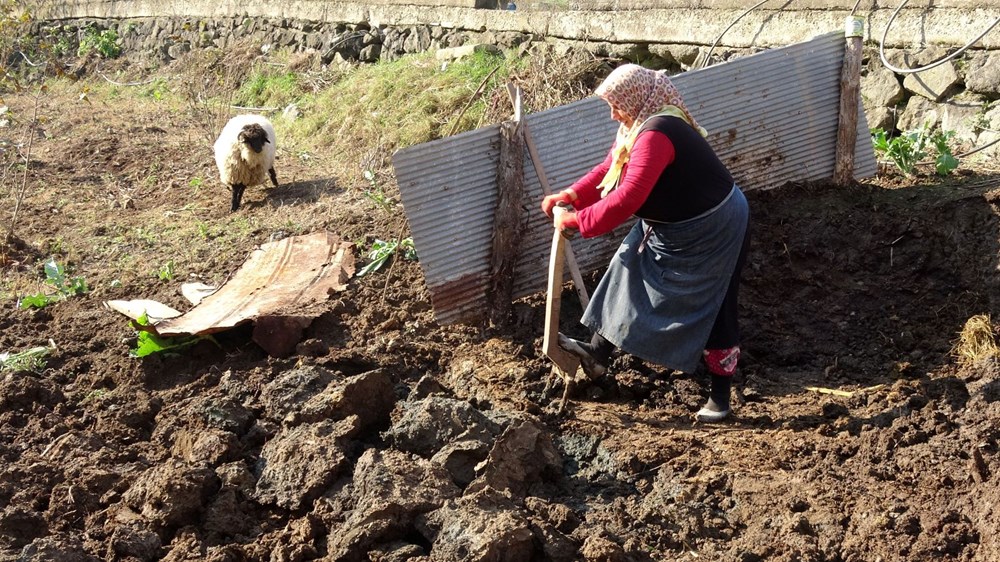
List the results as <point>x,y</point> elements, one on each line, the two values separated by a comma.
<point>237,162</point>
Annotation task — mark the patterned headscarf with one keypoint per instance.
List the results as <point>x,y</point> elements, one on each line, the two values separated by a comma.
<point>642,93</point>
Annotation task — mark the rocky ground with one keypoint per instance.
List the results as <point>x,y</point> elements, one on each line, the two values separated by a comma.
<point>860,433</point>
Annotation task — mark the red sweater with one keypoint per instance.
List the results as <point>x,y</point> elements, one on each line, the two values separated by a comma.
<point>651,153</point>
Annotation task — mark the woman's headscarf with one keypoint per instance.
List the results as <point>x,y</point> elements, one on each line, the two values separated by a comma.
<point>642,93</point>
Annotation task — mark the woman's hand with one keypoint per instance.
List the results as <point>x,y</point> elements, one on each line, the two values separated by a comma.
<point>566,197</point>
<point>567,221</point>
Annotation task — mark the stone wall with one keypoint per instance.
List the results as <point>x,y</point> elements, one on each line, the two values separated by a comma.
<point>945,23</point>
<point>679,35</point>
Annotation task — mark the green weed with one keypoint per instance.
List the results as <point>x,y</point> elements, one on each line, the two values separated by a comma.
<point>166,271</point>
<point>55,245</point>
<point>376,193</point>
<point>148,343</point>
<point>33,359</point>
<point>152,178</point>
<point>94,395</point>
<point>381,252</point>
<point>146,235</point>
<point>910,148</point>
<point>65,286</point>
<point>156,89</point>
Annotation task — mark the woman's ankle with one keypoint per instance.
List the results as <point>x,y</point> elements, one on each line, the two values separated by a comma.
<point>601,349</point>
<point>721,387</point>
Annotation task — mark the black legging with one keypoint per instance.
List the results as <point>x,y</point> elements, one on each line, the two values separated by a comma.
<point>726,330</point>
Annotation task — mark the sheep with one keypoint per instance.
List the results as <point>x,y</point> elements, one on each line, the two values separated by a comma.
<point>244,153</point>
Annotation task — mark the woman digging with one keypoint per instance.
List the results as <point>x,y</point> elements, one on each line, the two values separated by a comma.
<point>670,294</point>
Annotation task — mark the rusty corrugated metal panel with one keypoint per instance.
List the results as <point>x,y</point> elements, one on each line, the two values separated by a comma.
<point>287,278</point>
<point>448,187</point>
<point>771,116</point>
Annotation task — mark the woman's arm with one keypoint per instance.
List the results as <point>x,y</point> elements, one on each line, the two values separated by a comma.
<point>651,154</point>
<point>585,188</point>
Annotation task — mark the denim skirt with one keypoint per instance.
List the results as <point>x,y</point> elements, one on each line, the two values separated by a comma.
<point>663,289</point>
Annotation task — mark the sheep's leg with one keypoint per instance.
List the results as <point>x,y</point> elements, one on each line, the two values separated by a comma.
<point>274,177</point>
<point>237,195</point>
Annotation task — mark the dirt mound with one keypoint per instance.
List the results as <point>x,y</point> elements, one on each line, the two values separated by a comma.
<point>859,433</point>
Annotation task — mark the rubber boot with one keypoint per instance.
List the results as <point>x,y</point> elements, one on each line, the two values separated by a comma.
<point>717,407</point>
<point>594,356</point>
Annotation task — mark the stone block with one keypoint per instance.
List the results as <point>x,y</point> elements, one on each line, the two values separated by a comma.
<point>982,74</point>
<point>935,83</point>
<point>991,153</point>
<point>923,57</point>
<point>919,112</point>
<point>880,87</point>
<point>961,116</point>
<point>992,118</point>
<point>178,50</point>
<point>371,53</point>
<point>881,118</point>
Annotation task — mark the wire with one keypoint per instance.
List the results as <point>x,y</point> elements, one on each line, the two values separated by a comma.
<point>27,60</point>
<point>708,55</point>
<point>897,70</point>
<point>977,149</point>
<point>887,64</point>
<point>881,52</point>
<point>881,47</point>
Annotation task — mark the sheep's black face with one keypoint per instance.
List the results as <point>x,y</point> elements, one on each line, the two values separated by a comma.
<point>254,136</point>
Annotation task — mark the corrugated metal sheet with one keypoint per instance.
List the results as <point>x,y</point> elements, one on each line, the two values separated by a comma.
<point>286,278</point>
<point>772,117</point>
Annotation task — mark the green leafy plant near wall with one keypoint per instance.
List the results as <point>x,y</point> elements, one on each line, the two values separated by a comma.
<point>945,162</point>
<point>910,148</point>
<point>105,42</point>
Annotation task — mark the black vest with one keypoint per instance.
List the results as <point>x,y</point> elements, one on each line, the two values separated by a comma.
<point>695,182</point>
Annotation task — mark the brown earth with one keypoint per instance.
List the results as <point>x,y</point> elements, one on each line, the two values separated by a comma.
<point>387,437</point>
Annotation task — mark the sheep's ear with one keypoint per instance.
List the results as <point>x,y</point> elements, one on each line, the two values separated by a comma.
<point>266,140</point>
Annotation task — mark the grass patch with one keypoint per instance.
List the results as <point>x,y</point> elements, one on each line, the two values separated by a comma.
<point>374,110</point>
<point>265,89</point>
<point>400,103</point>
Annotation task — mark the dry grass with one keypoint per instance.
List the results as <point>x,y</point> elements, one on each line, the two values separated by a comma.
<point>977,341</point>
<point>548,79</point>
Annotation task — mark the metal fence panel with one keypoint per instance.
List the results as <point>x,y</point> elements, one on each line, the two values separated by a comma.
<point>772,117</point>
